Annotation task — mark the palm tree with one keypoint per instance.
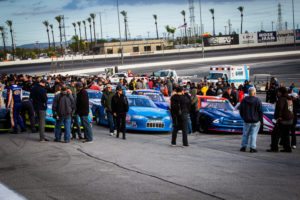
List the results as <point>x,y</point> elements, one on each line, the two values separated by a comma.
<point>79,24</point>
<point>76,39</point>
<point>172,31</point>
<point>46,23</point>
<point>155,18</point>
<point>74,25</point>
<point>3,38</point>
<point>212,11</point>
<point>124,13</point>
<point>168,29</point>
<point>184,22</point>
<point>90,20</point>
<point>51,26</point>
<point>241,9</point>
<point>9,23</point>
<point>58,19</point>
<point>84,29</point>
<point>92,15</point>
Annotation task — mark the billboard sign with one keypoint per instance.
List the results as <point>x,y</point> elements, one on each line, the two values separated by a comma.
<point>297,34</point>
<point>221,40</point>
<point>266,37</point>
<point>285,36</point>
<point>248,38</point>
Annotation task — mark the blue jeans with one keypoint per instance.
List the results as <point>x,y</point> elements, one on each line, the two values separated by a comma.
<point>250,129</point>
<point>111,121</point>
<point>66,121</point>
<point>88,133</point>
<point>190,129</point>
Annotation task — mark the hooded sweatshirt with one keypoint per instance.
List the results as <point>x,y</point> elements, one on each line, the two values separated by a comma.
<point>251,110</point>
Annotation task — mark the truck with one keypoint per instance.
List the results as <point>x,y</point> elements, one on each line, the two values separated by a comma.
<point>232,74</point>
<point>168,73</point>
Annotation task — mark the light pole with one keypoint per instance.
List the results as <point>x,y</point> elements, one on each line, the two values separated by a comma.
<point>101,24</point>
<point>202,43</point>
<point>122,58</point>
<point>294,24</point>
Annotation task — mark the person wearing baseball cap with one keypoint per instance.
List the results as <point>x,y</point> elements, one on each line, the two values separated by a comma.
<point>120,107</point>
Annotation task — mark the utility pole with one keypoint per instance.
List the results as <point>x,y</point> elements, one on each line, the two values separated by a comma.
<point>286,25</point>
<point>64,33</point>
<point>272,25</point>
<point>225,30</point>
<point>202,42</point>
<point>229,26</point>
<point>294,23</point>
<point>122,58</point>
<point>101,25</point>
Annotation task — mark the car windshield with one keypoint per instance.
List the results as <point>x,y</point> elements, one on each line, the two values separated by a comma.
<point>94,95</point>
<point>156,97</point>
<point>162,73</point>
<point>118,75</point>
<point>214,75</point>
<point>216,104</point>
<point>268,108</point>
<point>142,102</point>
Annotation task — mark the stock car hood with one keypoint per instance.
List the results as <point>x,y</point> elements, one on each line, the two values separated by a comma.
<point>223,113</point>
<point>146,111</point>
<point>163,105</point>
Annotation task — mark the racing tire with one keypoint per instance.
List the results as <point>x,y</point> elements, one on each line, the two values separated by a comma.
<point>203,125</point>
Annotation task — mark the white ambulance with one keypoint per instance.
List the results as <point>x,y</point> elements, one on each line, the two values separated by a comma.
<point>230,73</point>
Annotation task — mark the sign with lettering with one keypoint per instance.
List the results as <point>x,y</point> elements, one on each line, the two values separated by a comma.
<point>221,40</point>
<point>266,37</point>
<point>248,38</point>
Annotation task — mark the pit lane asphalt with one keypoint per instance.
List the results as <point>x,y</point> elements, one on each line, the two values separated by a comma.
<point>145,166</point>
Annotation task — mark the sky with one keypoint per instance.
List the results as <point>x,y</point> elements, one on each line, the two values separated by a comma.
<point>28,15</point>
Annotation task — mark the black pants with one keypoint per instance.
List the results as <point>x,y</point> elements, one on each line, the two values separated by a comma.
<point>28,107</point>
<point>293,133</point>
<point>283,132</point>
<point>194,121</point>
<point>120,120</point>
<point>180,122</point>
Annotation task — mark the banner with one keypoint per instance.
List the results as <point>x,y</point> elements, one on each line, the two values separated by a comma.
<point>298,34</point>
<point>285,36</point>
<point>266,37</point>
<point>221,40</point>
<point>248,38</point>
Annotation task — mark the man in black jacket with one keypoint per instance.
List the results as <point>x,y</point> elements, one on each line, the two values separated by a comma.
<point>252,114</point>
<point>82,105</point>
<point>180,108</point>
<point>119,105</point>
<point>230,96</point>
<point>39,98</point>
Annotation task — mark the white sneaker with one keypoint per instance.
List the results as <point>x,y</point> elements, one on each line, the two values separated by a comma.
<point>294,147</point>
<point>111,134</point>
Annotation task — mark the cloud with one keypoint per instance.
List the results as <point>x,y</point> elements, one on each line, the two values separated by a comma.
<point>38,11</point>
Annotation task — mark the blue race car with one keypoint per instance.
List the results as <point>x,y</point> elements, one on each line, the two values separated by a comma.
<point>94,99</point>
<point>143,115</point>
<point>218,115</point>
<point>156,96</point>
<point>50,121</point>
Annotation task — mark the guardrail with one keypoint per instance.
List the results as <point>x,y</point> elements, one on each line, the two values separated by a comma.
<point>162,52</point>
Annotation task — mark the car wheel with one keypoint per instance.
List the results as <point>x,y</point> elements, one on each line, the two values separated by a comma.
<point>203,125</point>
<point>98,117</point>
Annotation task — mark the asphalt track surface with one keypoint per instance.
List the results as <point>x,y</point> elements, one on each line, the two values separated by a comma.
<point>145,166</point>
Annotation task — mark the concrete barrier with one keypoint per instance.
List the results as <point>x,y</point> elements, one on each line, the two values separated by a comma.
<point>172,51</point>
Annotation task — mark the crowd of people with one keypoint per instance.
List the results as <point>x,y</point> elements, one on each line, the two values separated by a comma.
<point>71,105</point>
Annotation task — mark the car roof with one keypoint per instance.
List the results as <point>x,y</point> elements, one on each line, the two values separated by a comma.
<point>93,91</point>
<point>148,90</point>
<point>137,96</point>
<point>211,97</point>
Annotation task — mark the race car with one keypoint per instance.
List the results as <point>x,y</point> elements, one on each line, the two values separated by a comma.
<point>155,96</point>
<point>216,114</point>
<point>94,99</point>
<point>268,118</point>
<point>50,121</point>
<point>143,115</point>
